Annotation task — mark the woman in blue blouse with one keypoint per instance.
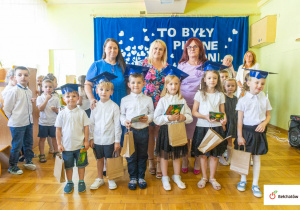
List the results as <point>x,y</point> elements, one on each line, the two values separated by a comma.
<point>113,62</point>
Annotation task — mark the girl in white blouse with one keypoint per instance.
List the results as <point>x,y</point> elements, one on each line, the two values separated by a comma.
<point>170,95</point>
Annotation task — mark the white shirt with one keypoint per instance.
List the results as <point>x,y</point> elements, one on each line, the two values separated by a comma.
<point>18,107</point>
<point>105,125</point>
<point>72,123</point>
<point>85,102</point>
<point>254,108</point>
<point>163,104</point>
<point>240,76</point>
<point>134,105</point>
<point>47,117</point>
<point>211,104</point>
<point>6,90</point>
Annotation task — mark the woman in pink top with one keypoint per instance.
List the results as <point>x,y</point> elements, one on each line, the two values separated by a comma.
<point>193,56</point>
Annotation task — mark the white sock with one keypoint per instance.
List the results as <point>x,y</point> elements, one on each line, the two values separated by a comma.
<point>229,149</point>
<point>243,178</point>
<point>256,169</point>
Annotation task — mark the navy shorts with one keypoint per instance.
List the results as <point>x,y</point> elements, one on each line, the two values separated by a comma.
<point>72,156</point>
<point>101,151</point>
<point>45,131</point>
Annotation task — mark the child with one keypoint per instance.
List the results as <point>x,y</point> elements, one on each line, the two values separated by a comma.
<point>39,81</point>
<point>105,128</point>
<point>18,109</point>
<point>227,61</point>
<point>224,75</point>
<point>48,106</point>
<point>245,87</point>
<point>10,81</point>
<point>254,113</point>
<point>133,105</point>
<point>72,131</point>
<point>171,95</point>
<point>230,88</point>
<point>209,98</point>
<point>83,102</point>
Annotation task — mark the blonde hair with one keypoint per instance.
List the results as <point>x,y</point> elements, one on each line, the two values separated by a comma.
<point>47,81</point>
<point>254,58</point>
<point>218,87</point>
<point>168,79</point>
<point>230,80</point>
<point>165,55</point>
<point>106,84</point>
<point>228,56</point>
<point>9,74</point>
<point>40,77</point>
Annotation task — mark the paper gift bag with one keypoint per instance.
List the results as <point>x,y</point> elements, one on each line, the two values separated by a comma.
<point>114,167</point>
<point>128,145</point>
<point>177,134</point>
<point>59,169</point>
<point>240,161</point>
<point>210,141</point>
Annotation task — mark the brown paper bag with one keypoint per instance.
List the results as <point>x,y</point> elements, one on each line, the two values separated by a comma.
<point>114,167</point>
<point>128,145</point>
<point>59,169</point>
<point>210,141</point>
<point>177,134</point>
<point>240,161</point>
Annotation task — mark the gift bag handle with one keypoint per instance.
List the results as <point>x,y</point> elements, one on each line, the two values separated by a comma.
<point>115,154</point>
<point>244,147</point>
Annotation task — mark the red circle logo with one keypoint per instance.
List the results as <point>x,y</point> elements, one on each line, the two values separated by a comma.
<point>272,196</point>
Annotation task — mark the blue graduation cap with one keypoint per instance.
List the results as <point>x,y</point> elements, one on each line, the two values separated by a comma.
<point>259,74</point>
<point>171,70</point>
<point>210,66</point>
<point>68,88</point>
<point>131,69</point>
<point>105,76</point>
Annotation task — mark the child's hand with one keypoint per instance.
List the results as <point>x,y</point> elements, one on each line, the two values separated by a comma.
<point>241,141</point>
<point>209,120</point>
<point>223,121</point>
<point>144,119</point>
<point>54,109</point>
<point>86,145</point>
<point>33,100</point>
<point>173,117</point>
<point>224,127</point>
<point>92,143</point>
<point>117,146</point>
<point>127,124</point>
<point>260,128</point>
<point>181,118</point>
<point>48,97</point>
<point>61,148</point>
<point>93,103</point>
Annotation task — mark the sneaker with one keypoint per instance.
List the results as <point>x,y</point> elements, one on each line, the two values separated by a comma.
<point>29,166</point>
<point>142,184</point>
<point>69,187</point>
<point>256,191</point>
<point>132,184</point>
<point>177,180</point>
<point>223,161</point>
<point>81,187</point>
<point>225,154</point>
<point>112,184</point>
<point>98,183</point>
<point>241,186</point>
<point>104,173</point>
<point>15,170</point>
<point>166,183</point>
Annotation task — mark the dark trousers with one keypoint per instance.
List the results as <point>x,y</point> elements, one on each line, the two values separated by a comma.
<point>137,163</point>
<point>21,136</point>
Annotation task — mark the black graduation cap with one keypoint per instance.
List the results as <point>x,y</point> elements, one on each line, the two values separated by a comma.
<point>68,88</point>
<point>259,74</point>
<point>105,76</point>
<point>210,66</point>
<point>131,69</point>
<point>171,70</point>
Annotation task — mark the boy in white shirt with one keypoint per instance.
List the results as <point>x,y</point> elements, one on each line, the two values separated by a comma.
<point>48,106</point>
<point>133,105</point>
<point>18,109</point>
<point>72,131</point>
<point>105,128</point>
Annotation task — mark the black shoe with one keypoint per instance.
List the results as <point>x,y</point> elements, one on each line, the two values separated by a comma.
<point>21,158</point>
<point>132,185</point>
<point>104,173</point>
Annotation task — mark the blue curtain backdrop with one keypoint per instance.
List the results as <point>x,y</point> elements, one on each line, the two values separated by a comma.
<point>220,36</point>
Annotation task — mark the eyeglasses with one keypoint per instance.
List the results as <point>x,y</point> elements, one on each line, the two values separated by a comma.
<point>195,47</point>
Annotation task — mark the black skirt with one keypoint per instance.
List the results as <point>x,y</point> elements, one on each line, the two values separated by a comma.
<point>231,114</point>
<point>256,142</point>
<point>198,137</point>
<point>164,149</point>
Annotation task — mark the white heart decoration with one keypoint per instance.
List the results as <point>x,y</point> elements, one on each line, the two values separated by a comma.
<point>174,64</point>
<point>143,54</point>
<point>121,42</point>
<point>172,55</point>
<point>129,54</point>
<point>133,52</point>
<point>144,29</point>
<point>140,47</point>
<point>146,48</point>
<point>234,31</point>
<point>225,46</point>
<point>134,47</point>
<point>131,39</point>
<point>121,33</point>
<point>229,39</point>
<point>138,54</point>
<point>123,54</point>
<point>146,39</point>
<point>127,59</point>
<point>128,48</point>
<point>152,34</point>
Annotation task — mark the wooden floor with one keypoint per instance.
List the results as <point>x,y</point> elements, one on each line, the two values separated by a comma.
<point>40,190</point>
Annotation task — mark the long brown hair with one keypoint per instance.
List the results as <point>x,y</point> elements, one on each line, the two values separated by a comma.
<point>185,56</point>
<point>218,87</point>
<point>120,60</point>
<point>254,58</point>
<point>168,79</point>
